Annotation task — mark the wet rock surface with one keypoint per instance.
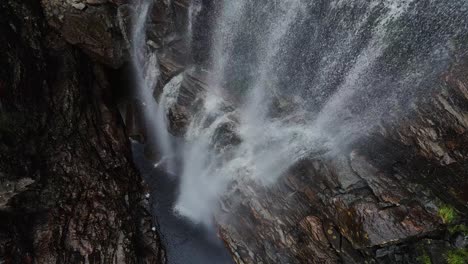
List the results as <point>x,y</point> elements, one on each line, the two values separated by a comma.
<point>68,190</point>
<point>398,195</point>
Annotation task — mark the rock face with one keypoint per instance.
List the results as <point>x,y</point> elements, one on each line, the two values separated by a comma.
<point>68,190</point>
<point>399,196</point>
<point>93,26</point>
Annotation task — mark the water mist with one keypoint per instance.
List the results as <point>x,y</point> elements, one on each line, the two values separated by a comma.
<point>290,80</point>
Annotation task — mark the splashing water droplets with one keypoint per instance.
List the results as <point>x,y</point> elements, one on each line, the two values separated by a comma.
<point>295,79</point>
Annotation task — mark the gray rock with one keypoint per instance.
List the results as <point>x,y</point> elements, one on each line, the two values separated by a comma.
<point>460,241</point>
<point>79,6</point>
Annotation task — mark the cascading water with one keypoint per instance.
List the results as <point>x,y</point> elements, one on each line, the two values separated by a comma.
<point>194,10</point>
<point>183,242</point>
<point>292,79</point>
<point>146,68</point>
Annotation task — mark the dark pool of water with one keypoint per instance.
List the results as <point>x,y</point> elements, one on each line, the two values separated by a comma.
<point>185,242</point>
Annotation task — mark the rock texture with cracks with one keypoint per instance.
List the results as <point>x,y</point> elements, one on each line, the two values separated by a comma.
<point>69,192</point>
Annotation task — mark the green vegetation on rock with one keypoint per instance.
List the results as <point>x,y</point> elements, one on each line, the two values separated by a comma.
<point>457,256</point>
<point>459,229</point>
<point>424,259</point>
<point>447,213</point>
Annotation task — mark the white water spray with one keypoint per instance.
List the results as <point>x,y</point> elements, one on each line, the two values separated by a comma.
<point>312,82</point>
<point>193,11</point>
<point>146,67</point>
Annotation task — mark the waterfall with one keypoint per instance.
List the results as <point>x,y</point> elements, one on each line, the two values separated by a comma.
<point>146,68</point>
<point>296,79</point>
<point>193,11</point>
